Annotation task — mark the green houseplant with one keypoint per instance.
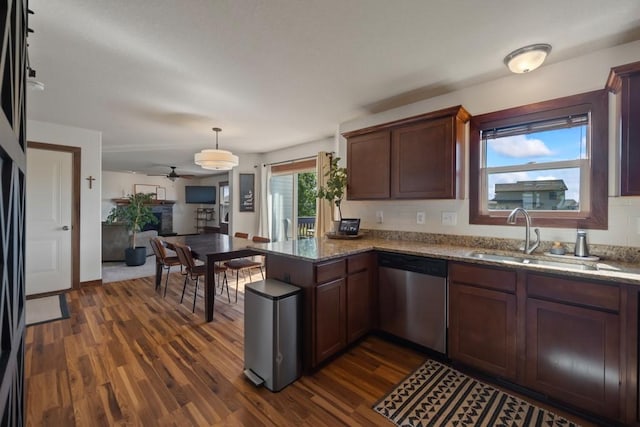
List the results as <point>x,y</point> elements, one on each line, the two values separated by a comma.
<point>336,185</point>
<point>135,215</point>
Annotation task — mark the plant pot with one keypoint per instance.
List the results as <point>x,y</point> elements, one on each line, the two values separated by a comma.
<point>135,256</point>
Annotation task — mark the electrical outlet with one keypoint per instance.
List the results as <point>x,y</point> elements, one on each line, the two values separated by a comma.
<point>420,217</point>
<point>449,218</point>
<point>379,217</point>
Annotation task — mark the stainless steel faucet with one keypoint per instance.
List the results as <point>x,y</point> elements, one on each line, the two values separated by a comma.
<point>511,219</point>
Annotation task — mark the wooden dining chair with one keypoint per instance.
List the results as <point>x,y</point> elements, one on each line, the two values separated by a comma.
<point>166,261</point>
<point>193,271</point>
<point>245,265</point>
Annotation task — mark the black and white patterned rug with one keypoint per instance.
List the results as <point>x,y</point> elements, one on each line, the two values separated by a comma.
<point>437,395</point>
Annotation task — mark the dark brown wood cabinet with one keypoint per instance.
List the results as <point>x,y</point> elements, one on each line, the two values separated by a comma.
<point>563,337</point>
<point>330,313</point>
<point>368,161</point>
<point>359,295</point>
<point>336,303</point>
<point>573,346</point>
<point>482,318</point>
<point>625,82</point>
<point>423,160</point>
<point>413,158</point>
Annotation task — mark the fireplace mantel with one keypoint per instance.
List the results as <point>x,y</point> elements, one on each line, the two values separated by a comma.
<point>125,201</point>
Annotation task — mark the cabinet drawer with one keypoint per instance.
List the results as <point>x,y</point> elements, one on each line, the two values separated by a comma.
<point>331,270</point>
<point>486,277</point>
<point>357,263</point>
<point>574,292</point>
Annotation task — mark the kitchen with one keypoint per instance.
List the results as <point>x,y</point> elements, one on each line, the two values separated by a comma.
<point>564,329</point>
<point>555,80</point>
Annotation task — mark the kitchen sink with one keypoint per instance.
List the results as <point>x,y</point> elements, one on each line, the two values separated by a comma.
<point>509,259</point>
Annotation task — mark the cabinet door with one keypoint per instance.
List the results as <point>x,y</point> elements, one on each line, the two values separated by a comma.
<point>482,329</point>
<point>368,166</point>
<point>573,354</point>
<point>330,332</point>
<point>358,305</point>
<point>423,160</point>
<point>630,109</point>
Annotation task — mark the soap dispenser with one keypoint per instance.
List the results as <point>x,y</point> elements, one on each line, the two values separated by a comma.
<point>582,249</point>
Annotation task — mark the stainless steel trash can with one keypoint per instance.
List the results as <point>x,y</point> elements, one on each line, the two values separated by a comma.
<point>271,333</point>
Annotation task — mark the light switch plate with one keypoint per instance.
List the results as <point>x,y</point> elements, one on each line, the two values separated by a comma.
<point>420,217</point>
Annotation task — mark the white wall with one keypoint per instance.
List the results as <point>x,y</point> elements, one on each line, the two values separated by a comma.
<point>90,142</point>
<point>246,222</point>
<point>214,180</point>
<point>582,74</point>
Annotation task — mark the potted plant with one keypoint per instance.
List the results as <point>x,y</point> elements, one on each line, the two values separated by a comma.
<point>336,185</point>
<point>135,214</point>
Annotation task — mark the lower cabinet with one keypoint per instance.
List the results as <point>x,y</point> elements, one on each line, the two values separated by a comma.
<point>573,343</point>
<point>482,319</point>
<point>343,306</point>
<point>571,346</point>
<point>330,313</point>
<point>337,301</point>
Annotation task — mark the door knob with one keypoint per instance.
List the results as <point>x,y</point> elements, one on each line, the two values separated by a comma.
<point>65,227</point>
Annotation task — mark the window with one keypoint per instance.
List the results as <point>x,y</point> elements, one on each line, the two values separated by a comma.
<point>293,207</point>
<point>549,158</point>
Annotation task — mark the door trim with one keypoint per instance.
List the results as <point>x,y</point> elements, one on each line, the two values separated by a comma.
<point>76,154</point>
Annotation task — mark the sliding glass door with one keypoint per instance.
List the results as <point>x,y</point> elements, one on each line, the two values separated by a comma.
<point>294,205</point>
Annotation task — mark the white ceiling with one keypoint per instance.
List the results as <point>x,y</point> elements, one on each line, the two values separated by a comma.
<point>156,75</point>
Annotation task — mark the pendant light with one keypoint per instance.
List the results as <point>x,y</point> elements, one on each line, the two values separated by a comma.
<point>219,160</point>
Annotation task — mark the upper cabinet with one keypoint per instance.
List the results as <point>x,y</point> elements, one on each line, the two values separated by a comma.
<point>625,82</point>
<point>412,158</point>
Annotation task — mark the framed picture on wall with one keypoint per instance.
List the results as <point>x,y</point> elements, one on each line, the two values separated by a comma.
<point>146,189</point>
<point>161,193</point>
<point>247,192</point>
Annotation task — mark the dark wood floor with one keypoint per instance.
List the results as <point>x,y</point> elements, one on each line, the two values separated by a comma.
<point>128,356</point>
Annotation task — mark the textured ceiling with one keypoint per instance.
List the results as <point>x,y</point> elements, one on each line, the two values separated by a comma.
<point>155,76</point>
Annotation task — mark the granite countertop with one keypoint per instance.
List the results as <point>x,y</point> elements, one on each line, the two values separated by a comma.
<point>317,250</point>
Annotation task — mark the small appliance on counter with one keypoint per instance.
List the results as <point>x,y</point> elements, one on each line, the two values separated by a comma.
<point>581,250</point>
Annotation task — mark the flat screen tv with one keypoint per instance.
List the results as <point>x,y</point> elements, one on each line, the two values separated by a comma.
<point>200,194</point>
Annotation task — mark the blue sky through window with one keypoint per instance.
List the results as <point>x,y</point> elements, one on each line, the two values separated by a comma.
<point>540,147</point>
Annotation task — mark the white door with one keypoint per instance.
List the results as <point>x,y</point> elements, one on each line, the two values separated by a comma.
<point>48,246</point>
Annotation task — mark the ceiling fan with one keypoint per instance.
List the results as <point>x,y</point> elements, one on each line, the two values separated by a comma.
<point>173,175</point>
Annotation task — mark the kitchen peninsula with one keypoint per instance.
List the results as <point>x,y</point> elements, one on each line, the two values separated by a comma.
<point>567,330</point>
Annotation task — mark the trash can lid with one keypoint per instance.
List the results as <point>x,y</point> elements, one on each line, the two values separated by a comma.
<point>272,288</point>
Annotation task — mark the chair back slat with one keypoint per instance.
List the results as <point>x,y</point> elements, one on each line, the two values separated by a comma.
<point>158,248</point>
<point>185,256</point>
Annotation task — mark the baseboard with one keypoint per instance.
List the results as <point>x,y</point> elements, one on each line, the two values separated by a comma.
<point>91,283</point>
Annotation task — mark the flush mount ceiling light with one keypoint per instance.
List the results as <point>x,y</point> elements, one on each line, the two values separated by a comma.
<point>220,160</point>
<point>527,58</point>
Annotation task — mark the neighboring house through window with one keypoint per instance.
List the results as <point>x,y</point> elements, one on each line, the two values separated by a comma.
<point>549,158</point>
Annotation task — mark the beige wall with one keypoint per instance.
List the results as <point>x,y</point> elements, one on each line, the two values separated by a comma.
<point>582,74</point>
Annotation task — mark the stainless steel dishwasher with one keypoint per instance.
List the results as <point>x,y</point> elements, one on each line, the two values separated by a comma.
<point>413,299</point>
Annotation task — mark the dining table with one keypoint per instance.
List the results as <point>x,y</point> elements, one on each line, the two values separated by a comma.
<point>210,248</point>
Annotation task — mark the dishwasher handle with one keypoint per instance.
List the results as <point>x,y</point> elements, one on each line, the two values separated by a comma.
<point>417,264</point>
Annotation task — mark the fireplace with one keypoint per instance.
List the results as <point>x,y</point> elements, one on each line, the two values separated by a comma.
<point>164,213</point>
<point>154,226</point>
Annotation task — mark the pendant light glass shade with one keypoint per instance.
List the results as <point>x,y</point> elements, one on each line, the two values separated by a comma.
<point>527,58</point>
<point>220,160</point>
